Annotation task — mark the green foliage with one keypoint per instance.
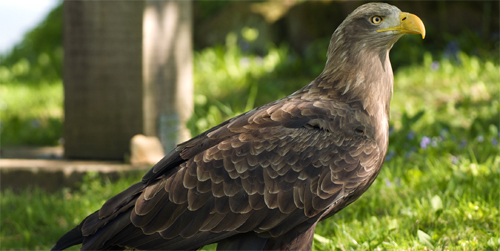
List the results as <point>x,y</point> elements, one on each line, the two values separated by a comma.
<point>229,82</point>
<point>454,104</point>
<point>31,114</point>
<point>423,201</point>
<point>204,9</point>
<point>39,55</point>
<point>35,219</point>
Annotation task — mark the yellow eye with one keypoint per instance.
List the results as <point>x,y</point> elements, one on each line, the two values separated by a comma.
<point>376,19</point>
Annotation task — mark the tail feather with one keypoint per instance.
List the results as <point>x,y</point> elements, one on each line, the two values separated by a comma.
<point>98,240</point>
<point>71,238</point>
<point>91,228</point>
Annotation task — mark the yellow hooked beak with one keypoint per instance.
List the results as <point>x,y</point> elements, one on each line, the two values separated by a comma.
<point>408,24</point>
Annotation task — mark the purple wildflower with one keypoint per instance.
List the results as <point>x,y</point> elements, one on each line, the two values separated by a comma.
<point>35,123</point>
<point>425,142</point>
<point>494,141</point>
<point>389,156</point>
<point>435,66</point>
<point>244,45</point>
<point>451,51</point>
<point>410,135</point>
<point>463,143</point>
<point>388,182</point>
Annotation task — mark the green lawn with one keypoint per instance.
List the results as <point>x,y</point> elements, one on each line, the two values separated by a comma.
<point>31,114</point>
<point>438,190</point>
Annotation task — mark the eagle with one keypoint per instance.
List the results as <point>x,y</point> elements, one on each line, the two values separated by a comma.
<point>263,180</point>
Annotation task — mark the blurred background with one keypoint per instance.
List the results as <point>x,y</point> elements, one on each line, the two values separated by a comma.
<point>445,111</point>
<point>248,51</point>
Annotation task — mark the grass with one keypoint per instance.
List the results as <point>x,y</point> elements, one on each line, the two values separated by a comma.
<point>34,219</point>
<point>422,203</point>
<point>438,189</point>
<point>31,114</point>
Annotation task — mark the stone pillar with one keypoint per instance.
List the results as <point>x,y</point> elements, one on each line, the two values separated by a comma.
<point>120,79</point>
<point>168,70</point>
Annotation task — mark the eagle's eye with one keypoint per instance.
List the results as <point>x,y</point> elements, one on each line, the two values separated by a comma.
<point>376,19</point>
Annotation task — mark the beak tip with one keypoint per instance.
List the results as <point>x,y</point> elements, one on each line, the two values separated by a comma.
<point>414,24</point>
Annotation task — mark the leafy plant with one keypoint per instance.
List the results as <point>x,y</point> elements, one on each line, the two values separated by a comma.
<point>31,114</point>
<point>39,55</point>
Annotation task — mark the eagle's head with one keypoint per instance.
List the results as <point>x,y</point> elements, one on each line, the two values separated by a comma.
<point>358,56</point>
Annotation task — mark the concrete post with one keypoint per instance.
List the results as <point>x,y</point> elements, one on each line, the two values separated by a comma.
<point>168,70</point>
<point>125,73</point>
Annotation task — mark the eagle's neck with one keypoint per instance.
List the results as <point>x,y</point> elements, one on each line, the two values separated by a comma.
<point>357,75</point>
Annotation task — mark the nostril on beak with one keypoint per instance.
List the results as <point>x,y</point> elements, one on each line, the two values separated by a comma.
<point>404,18</point>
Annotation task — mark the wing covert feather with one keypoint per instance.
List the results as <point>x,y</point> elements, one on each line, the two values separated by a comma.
<point>256,186</point>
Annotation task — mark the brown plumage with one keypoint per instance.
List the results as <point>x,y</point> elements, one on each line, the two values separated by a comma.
<point>264,179</point>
